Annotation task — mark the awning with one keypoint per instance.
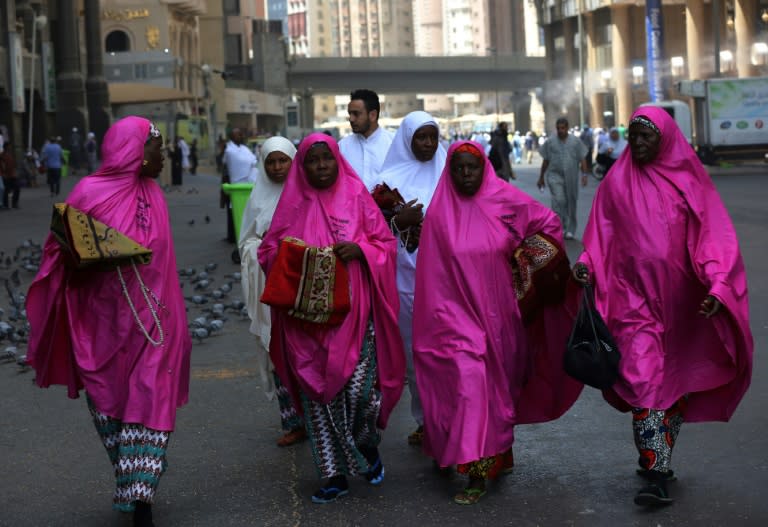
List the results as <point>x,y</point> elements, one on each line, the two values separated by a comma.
<point>137,92</point>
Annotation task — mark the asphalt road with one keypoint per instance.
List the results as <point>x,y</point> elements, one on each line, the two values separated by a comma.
<point>225,469</point>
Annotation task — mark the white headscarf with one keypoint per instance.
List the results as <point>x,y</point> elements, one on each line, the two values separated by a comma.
<point>414,179</point>
<point>256,220</point>
<point>266,193</point>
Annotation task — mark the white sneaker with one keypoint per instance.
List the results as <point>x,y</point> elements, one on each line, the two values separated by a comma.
<point>569,236</point>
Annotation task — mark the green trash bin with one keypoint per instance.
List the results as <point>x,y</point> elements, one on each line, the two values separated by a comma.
<point>238,196</point>
<point>65,164</point>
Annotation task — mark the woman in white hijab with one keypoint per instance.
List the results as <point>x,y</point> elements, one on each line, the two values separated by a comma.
<point>277,154</point>
<point>413,166</point>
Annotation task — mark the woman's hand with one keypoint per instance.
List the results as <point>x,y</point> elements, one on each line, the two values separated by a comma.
<point>348,251</point>
<point>410,215</point>
<point>581,273</point>
<point>709,306</point>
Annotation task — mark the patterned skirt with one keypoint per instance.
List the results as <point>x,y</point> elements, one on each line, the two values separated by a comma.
<point>289,417</point>
<point>137,454</point>
<point>339,429</point>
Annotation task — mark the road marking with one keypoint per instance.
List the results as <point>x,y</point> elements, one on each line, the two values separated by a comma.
<point>222,373</point>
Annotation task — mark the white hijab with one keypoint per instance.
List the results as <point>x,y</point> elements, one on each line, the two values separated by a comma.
<point>256,220</point>
<point>414,179</point>
<point>265,194</point>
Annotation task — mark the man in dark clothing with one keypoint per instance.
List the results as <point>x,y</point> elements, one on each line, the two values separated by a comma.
<point>499,154</point>
<point>8,172</point>
<point>588,138</point>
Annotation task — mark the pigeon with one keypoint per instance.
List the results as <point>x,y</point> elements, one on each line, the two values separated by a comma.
<point>216,325</point>
<point>226,288</point>
<point>200,322</point>
<point>197,299</point>
<point>211,266</point>
<point>202,284</point>
<point>200,334</point>
<point>207,219</point>
<point>217,294</point>
<point>191,222</point>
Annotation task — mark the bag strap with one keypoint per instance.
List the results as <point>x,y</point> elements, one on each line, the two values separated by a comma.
<point>145,291</point>
<point>589,301</point>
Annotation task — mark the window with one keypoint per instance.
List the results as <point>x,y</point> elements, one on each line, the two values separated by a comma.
<point>117,42</point>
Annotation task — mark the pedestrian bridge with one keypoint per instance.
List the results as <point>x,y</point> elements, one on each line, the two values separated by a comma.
<point>331,75</point>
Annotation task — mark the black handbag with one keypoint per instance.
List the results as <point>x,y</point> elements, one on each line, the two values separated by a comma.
<point>592,356</point>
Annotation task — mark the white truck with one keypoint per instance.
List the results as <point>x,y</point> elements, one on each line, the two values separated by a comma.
<point>730,118</point>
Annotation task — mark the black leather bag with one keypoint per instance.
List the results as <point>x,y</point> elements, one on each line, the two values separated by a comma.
<point>592,356</point>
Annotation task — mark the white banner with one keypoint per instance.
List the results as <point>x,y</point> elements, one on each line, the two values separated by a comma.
<point>17,73</point>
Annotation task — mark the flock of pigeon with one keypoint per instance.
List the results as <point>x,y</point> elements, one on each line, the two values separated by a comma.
<point>210,302</point>
<point>14,327</point>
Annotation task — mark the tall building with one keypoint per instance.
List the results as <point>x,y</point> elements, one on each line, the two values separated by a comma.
<point>476,28</point>
<point>615,61</point>
<point>351,28</point>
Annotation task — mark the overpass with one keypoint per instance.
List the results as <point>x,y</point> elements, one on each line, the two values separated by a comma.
<point>333,75</point>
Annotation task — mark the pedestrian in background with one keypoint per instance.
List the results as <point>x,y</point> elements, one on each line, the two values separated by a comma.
<point>75,149</point>
<point>669,280</point>
<point>500,151</point>
<point>122,334</point>
<point>240,166</point>
<point>563,156</point>
<point>92,152</point>
<point>193,161</point>
<point>174,153</point>
<point>52,157</point>
<point>277,155</point>
<point>10,177</point>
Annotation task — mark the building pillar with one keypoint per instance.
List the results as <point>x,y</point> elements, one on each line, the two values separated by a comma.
<point>694,31</point>
<point>9,118</point>
<point>551,109</point>
<point>70,88</point>
<point>99,112</point>
<point>745,17</point>
<point>594,97</point>
<point>620,32</point>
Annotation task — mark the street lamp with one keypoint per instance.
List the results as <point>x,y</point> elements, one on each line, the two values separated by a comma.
<point>40,20</point>
<point>493,52</point>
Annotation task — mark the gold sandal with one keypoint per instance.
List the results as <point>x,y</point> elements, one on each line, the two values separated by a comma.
<point>469,496</point>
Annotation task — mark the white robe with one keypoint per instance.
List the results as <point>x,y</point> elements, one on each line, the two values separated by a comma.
<point>367,154</point>
<point>241,163</point>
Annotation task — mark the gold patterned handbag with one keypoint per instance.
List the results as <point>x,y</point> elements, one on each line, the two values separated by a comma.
<point>91,243</point>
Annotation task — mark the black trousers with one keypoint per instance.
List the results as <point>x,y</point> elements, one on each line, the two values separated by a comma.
<point>54,180</point>
<point>11,187</point>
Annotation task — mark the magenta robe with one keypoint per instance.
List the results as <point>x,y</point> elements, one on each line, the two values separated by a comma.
<point>658,241</point>
<point>82,331</point>
<point>319,360</point>
<point>479,370</point>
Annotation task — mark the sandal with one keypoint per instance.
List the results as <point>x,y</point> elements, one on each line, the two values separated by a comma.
<point>376,474</point>
<point>297,435</point>
<point>328,494</point>
<point>417,436</point>
<point>469,496</point>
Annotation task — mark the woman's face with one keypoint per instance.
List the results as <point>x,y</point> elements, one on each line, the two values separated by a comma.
<point>153,155</point>
<point>643,142</point>
<point>466,173</point>
<point>424,143</point>
<point>276,165</point>
<point>320,166</point>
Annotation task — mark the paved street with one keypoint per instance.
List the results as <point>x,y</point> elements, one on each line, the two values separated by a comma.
<point>225,469</point>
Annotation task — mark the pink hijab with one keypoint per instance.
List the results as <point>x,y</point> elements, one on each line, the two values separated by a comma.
<point>658,241</point>
<point>320,360</point>
<point>479,370</point>
<point>83,333</point>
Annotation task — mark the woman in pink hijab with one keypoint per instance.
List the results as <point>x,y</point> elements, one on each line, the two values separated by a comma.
<point>346,378</point>
<point>482,367</point>
<point>662,254</point>
<point>120,334</point>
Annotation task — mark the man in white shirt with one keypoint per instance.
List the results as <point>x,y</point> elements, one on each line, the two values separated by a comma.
<point>239,160</point>
<point>239,167</point>
<point>367,146</point>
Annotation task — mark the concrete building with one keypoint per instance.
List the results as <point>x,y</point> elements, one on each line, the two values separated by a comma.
<point>69,89</point>
<point>479,28</point>
<point>615,68</point>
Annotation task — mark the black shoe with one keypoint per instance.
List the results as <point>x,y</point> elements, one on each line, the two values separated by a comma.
<point>336,487</point>
<point>655,494</point>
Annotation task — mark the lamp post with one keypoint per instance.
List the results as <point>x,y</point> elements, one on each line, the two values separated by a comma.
<point>40,20</point>
<point>493,52</point>
<point>580,23</point>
